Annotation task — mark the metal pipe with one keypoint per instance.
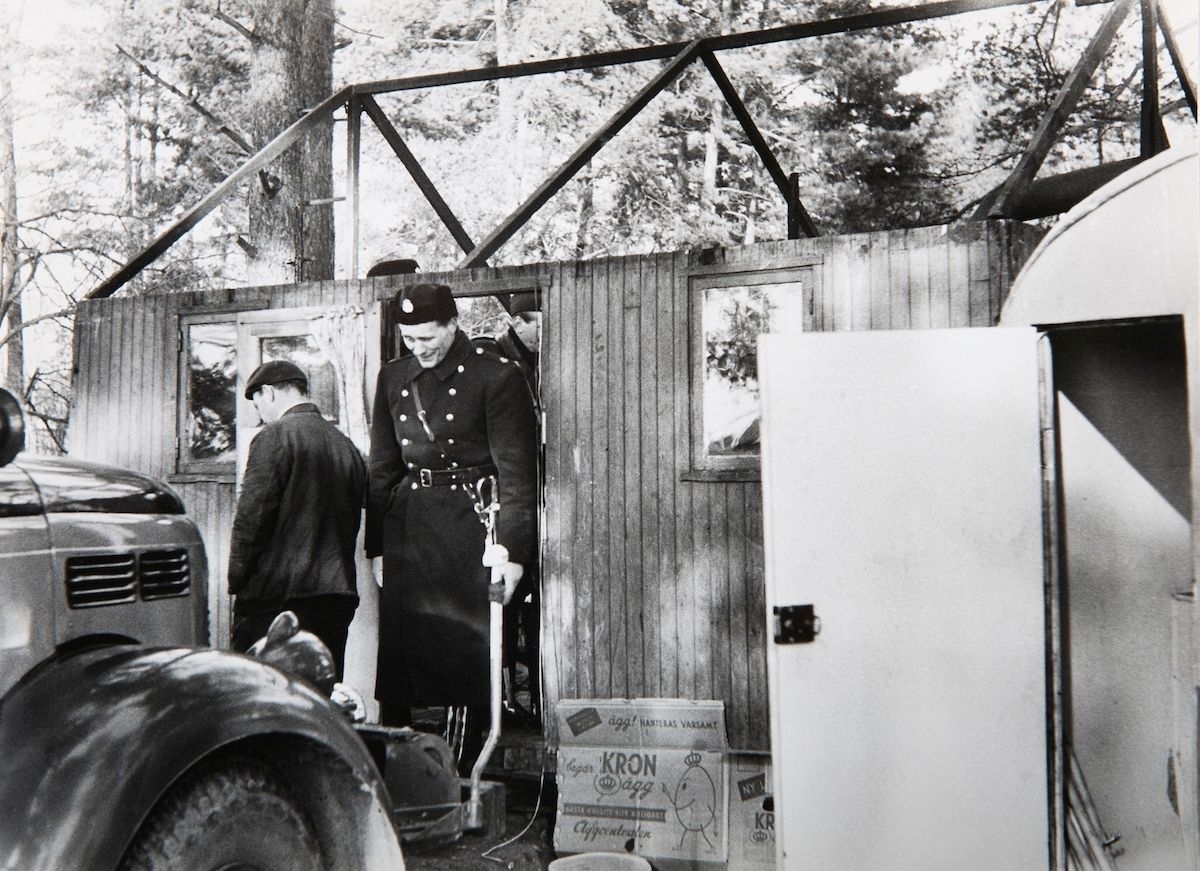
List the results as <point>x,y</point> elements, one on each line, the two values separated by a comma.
<point>495,638</point>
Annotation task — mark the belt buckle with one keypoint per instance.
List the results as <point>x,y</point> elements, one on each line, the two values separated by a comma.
<point>426,476</point>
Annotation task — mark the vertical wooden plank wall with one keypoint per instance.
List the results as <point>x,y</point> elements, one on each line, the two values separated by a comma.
<point>652,581</point>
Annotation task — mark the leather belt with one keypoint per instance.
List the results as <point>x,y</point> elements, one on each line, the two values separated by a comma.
<point>446,477</point>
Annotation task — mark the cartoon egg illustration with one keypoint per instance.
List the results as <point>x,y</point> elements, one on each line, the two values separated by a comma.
<point>695,798</point>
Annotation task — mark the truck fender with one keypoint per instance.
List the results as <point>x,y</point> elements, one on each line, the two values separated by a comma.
<point>89,742</point>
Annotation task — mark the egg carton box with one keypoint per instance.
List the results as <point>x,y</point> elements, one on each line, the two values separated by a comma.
<point>751,812</point>
<point>666,803</point>
<point>697,725</point>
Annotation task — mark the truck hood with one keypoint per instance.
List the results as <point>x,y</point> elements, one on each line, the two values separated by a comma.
<point>67,485</point>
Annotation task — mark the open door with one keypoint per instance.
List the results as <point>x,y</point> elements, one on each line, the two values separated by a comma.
<point>903,502</point>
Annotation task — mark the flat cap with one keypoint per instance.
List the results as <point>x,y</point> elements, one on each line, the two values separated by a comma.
<point>422,303</point>
<point>275,372</point>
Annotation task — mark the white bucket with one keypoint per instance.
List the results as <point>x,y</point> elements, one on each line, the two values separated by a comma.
<point>600,862</point>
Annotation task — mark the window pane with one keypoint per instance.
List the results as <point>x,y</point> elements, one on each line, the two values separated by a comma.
<point>211,392</point>
<point>322,380</point>
<point>732,320</point>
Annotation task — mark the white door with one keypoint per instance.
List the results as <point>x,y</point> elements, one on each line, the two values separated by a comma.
<point>902,489</point>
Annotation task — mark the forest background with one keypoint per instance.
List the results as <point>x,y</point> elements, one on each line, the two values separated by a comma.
<point>117,116</point>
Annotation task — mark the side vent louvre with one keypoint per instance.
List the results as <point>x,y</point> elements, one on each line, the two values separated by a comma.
<point>164,574</point>
<point>118,578</point>
<point>94,581</point>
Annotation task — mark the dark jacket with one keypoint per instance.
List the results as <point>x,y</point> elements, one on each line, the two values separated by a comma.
<point>298,513</point>
<point>481,410</point>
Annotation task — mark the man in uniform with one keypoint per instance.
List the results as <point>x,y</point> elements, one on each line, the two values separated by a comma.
<point>297,519</point>
<point>444,418</point>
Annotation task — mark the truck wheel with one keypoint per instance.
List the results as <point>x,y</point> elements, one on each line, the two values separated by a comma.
<point>232,814</point>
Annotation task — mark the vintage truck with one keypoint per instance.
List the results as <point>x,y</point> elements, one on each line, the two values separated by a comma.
<point>124,741</point>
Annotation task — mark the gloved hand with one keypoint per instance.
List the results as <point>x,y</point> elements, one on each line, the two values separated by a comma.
<point>505,573</point>
<point>505,578</point>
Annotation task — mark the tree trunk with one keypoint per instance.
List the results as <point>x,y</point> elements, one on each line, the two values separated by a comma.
<point>10,281</point>
<point>291,216</point>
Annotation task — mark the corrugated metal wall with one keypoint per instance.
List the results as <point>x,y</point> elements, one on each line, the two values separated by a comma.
<point>653,580</point>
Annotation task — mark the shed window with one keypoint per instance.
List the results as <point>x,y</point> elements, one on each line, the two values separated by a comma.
<point>209,408</point>
<point>728,313</point>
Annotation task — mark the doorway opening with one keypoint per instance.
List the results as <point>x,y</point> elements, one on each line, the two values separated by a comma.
<point>1124,596</point>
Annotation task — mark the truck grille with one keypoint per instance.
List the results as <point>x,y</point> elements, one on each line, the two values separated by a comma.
<point>164,574</point>
<point>93,581</point>
<point>117,579</point>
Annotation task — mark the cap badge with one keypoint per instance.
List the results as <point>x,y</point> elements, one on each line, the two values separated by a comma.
<point>407,306</point>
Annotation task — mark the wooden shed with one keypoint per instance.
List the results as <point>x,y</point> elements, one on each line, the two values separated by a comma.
<point>652,536</point>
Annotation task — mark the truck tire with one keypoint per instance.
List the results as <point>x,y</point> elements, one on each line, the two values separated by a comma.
<point>235,813</point>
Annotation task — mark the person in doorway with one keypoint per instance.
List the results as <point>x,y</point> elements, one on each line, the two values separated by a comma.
<point>445,418</point>
<point>521,343</point>
<point>298,514</point>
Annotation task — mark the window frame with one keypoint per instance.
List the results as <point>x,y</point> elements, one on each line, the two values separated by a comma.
<point>187,469</point>
<point>807,271</point>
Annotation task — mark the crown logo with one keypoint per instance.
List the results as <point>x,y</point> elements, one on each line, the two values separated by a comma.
<point>407,306</point>
<point>693,759</point>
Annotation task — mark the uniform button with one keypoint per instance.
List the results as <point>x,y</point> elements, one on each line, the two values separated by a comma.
<point>412,465</point>
<point>414,486</point>
<point>404,441</point>
<point>479,350</point>
<point>462,369</point>
<point>504,360</point>
<point>450,416</point>
<point>404,393</point>
<point>454,464</point>
<point>449,441</point>
<point>403,418</point>
<point>454,391</point>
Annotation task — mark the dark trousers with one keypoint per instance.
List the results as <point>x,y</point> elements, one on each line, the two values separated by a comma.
<point>327,617</point>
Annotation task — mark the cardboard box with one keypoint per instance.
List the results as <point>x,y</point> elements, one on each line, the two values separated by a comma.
<point>751,813</point>
<point>660,803</point>
<point>699,725</point>
<point>646,776</point>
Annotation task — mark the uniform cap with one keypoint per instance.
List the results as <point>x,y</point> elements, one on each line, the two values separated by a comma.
<point>275,372</point>
<point>422,303</point>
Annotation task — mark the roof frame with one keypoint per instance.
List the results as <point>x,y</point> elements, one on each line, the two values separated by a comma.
<point>359,99</point>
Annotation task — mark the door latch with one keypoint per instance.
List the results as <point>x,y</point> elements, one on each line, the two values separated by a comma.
<point>796,624</point>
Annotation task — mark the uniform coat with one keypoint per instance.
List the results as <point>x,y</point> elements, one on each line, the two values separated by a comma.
<point>297,519</point>
<point>433,635</point>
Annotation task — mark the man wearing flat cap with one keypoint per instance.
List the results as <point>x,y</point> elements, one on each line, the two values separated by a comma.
<point>445,417</point>
<point>294,532</point>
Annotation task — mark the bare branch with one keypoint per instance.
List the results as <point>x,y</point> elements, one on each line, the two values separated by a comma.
<point>220,15</point>
<point>230,133</point>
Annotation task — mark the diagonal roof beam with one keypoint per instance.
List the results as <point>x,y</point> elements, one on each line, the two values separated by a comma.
<point>413,166</point>
<point>193,216</point>
<point>782,180</point>
<point>1058,113</point>
<point>580,158</point>
<point>1181,72</point>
